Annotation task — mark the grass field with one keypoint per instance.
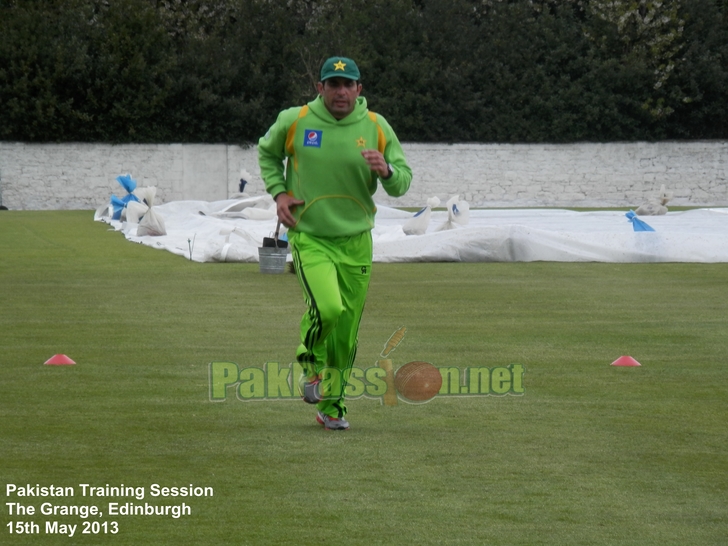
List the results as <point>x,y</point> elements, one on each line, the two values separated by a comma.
<point>588,454</point>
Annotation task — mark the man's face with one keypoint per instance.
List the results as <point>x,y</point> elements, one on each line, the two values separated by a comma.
<point>339,95</point>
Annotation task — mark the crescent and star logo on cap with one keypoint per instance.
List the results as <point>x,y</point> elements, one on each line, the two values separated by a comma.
<point>340,65</point>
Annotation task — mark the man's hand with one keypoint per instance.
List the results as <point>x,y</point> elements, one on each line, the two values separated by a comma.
<point>376,162</point>
<point>284,207</point>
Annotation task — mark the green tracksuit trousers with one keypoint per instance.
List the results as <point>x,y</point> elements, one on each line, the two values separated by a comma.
<point>334,275</point>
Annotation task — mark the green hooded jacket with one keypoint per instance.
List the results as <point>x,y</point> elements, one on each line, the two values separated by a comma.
<point>325,168</point>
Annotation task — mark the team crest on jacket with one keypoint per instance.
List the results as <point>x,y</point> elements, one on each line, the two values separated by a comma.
<point>312,138</point>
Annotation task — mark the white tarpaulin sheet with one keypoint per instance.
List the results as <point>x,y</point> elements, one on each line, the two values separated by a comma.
<point>232,231</point>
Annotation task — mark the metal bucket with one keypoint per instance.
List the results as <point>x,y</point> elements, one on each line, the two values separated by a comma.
<point>272,260</point>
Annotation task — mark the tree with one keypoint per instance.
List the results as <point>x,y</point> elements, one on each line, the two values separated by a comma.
<point>82,70</point>
<point>650,33</point>
<point>439,70</point>
<point>701,77</point>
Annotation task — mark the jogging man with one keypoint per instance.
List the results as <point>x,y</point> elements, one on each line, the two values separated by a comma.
<point>336,152</point>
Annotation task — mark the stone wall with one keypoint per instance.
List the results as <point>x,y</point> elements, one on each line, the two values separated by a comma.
<point>83,176</point>
<point>573,175</point>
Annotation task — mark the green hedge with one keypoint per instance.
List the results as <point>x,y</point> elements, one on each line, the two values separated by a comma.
<point>439,70</point>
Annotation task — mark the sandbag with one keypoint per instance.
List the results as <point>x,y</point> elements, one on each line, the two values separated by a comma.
<point>152,224</point>
<point>656,205</point>
<point>134,211</point>
<point>458,213</point>
<point>417,225</point>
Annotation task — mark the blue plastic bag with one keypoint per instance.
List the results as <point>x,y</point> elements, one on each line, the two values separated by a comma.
<point>118,204</point>
<point>637,224</point>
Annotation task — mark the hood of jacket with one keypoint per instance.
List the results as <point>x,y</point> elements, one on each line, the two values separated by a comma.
<point>318,108</point>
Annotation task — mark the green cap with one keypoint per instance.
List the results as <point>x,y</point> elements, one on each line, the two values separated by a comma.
<point>339,67</point>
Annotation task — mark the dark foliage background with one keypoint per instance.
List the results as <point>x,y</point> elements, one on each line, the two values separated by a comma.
<point>439,70</point>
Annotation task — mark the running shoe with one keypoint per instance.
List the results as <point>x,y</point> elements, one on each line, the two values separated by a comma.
<point>331,423</point>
